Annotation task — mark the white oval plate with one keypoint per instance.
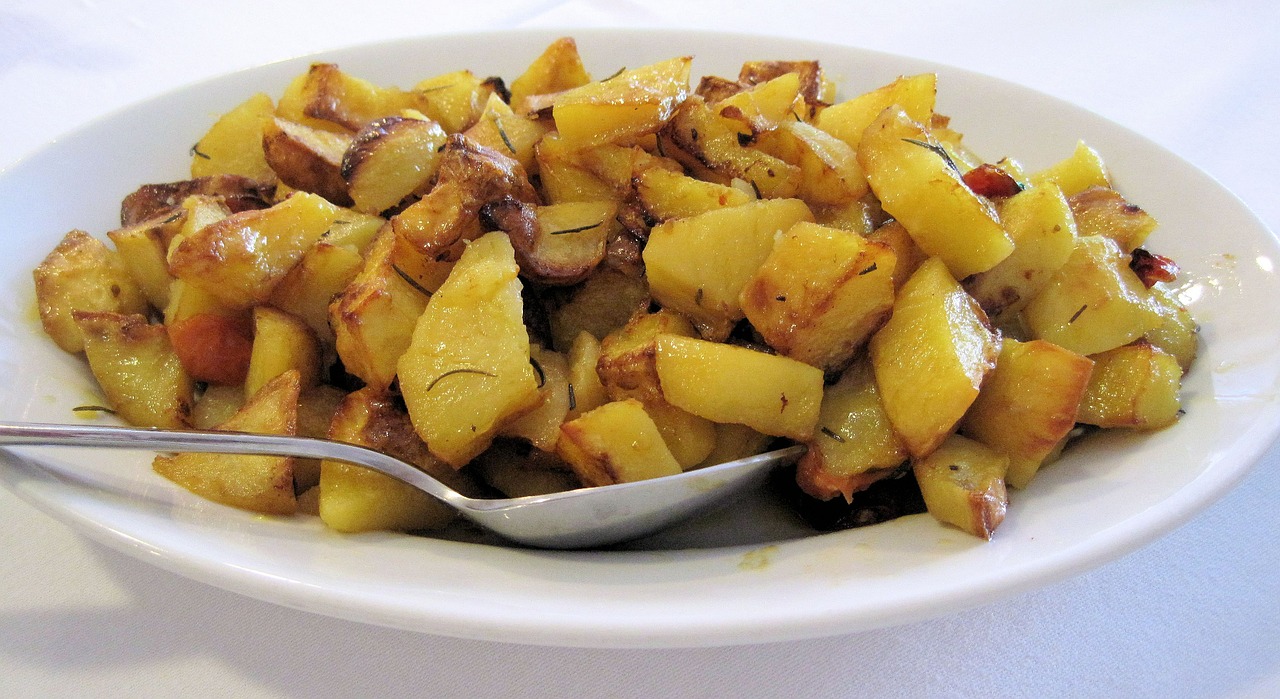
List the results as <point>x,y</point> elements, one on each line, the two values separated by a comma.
<point>743,576</point>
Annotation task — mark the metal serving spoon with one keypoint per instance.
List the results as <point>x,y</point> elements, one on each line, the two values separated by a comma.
<point>581,518</point>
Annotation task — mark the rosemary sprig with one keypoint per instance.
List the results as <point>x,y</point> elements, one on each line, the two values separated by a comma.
<point>497,122</point>
<point>938,150</point>
<point>462,370</point>
<point>195,151</point>
<point>579,229</point>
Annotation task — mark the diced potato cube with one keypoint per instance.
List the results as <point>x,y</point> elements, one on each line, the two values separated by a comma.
<point>764,106</point>
<point>357,499</point>
<point>541,425</point>
<point>615,443</point>
<point>82,274</point>
<point>700,265</point>
<point>241,258</point>
<point>733,442</point>
<point>518,470</point>
<point>454,100</point>
<point>557,69</point>
<point>307,159</point>
<point>963,485</point>
<point>924,191</point>
<point>633,103</point>
<point>1075,173</point>
<point>135,365</point>
<point>1094,302</point>
<point>848,120</point>
<point>1103,211</point>
<point>511,134</point>
<point>1044,235</point>
<point>233,145</point>
<point>390,159</point>
<point>716,143</point>
<point>1178,333</point>
<point>310,287</point>
<point>467,366</point>
<point>586,392</point>
<point>829,171</point>
<point>1028,404</point>
<point>666,194</point>
<point>256,483</point>
<point>143,249</point>
<point>931,357</point>
<point>281,342</point>
<point>1134,386</point>
<point>726,383</point>
<point>855,444</point>
<point>600,305</point>
<point>820,294</point>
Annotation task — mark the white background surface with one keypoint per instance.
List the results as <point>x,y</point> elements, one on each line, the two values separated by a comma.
<point>1196,613</point>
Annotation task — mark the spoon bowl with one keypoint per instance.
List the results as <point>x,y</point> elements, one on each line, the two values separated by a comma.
<point>580,518</point>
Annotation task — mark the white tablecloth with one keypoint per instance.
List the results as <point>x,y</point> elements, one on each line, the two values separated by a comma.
<point>1196,613</point>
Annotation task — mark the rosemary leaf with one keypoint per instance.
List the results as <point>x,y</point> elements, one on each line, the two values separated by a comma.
<point>463,370</point>
<point>579,229</point>
<point>411,281</point>
<point>938,150</point>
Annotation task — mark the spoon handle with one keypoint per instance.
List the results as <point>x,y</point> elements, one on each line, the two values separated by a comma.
<point>151,439</point>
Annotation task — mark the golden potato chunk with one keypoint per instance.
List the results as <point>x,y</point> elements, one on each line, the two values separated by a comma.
<point>556,69</point>
<point>700,265</point>
<point>962,482</point>
<point>82,274</point>
<point>630,104</point>
<point>615,443</point>
<point>855,444</point>
<point>931,357</point>
<point>356,499</point>
<point>1028,404</point>
<point>923,190</point>
<point>467,368</point>
<point>281,342</point>
<point>307,159</point>
<point>257,483</point>
<point>848,120</point>
<point>820,294</point>
<point>726,383</point>
<point>390,159</point>
<point>233,145</point>
<point>135,365</point>
<point>241,258</point>
<point>1134,386</point>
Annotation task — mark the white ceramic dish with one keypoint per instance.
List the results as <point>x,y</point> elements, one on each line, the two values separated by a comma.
<point>736,577</point>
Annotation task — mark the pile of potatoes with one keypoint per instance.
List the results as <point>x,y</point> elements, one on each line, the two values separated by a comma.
<point>567,282</point>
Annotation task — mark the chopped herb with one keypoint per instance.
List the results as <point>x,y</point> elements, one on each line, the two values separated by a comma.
<point>868,270</point>
<point>503,133</point>
<point>195,151</point>
<point>693,133</point>
<point>937,149</point>
<point>954,467</point>
<point>573,400</point>
<point>579,229</point>
<point>463,370</point>
<point>411,281</point>
<point>1077,314</point>
<point>780,298</point>
<point>93,409</point>
<point>832,434</point>
<point>435,88</point>
<point>756,188</point>
<point>745,139</point>
<point>537,368</point>
<point>174,217</point>
<point>440,148</point>
<point>784,403</point>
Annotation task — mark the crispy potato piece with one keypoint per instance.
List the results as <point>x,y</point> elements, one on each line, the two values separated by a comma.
<point>233,145</point>
<point>390,159</point>
<point>1135,386</point>
<point>541,425</point>
<point>733,442</point>
<point>1028,404</point>
<point>762,107</point>
<point>630,104</point>
<point>241,258</point>
<point>585,390</point>
<point>135,365</point>
<point>626,368</point>
<point>1094,302</point>
<point>926,193</point>
<point>963,485</point>
<point>820,294</point>
<point>931,357</point>
<point>1081,170</point>
<point>600,305</point>
<point>814,87</point>
<point>144,251</point>
<point>307,159</point>
<point>700,265</point>
<point>907,254</point>
<point>235,192</point>
<point>257,483</point>
<point>725,383</point>
<point>558,244</point>
<point>82,274</point>
<point>512,134</point>
<point>855,444</point>
<point>615,443</point>
<point>1178,333</point>
<point>666,195</point>
<point>374,317</point>
<point>470,176</point>
<point>467,367</point>
<point>1103,211</point>
<point>557,69</point>
<point>454,100</point>
<point>356,499</point>
<point>216,405</point>
<point>716,142</point>
<point>281,342</point>
<point>829,171</point>
<point>306,291</point>
<point>1044,234</point>
<point>848,120</point>
<point>518,470</point>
